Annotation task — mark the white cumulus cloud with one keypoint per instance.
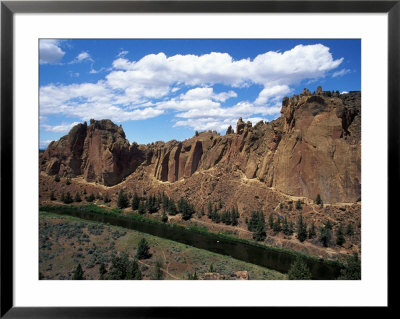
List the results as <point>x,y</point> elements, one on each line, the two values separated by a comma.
<point>134,90</point>
<point>50,52</point>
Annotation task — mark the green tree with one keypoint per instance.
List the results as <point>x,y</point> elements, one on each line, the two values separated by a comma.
<point>143,249</point>
<point>172,207</point>
<point>350,230</point>
<point>164,217</point>
<point>299,205</point>
<point>102,271</point>
<point>285,227</point>
<point>192,277</point>
<point>158,274</point>
<point>340,240</point>
<point>68,198</point>
<point>52,197</point>
<point>299,270</point>
<point>318,200</point>
<point>68,181</point>
<point>142,207</point>
<point>123,269</point>
<point>277,225</point>
<point>133,271</point>
<point>210,210</point>
<point>57,178</point>
<point>352,269</point>
<point>135,201</point>
<point>271,221</point>
<point>90,198</point>
<point>122,201</point>
<point>78,273</point>
<point>326,234</point>
<point>301,229</point>
<point>312,231</point>
<point>77,198</point>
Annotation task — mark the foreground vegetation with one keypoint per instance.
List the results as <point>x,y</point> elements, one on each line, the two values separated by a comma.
<point>71,248</point>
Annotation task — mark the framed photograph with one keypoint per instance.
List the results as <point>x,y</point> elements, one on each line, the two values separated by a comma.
<point>164,155</point>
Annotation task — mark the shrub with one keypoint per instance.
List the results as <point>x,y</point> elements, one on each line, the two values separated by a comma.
<point>299,270</point>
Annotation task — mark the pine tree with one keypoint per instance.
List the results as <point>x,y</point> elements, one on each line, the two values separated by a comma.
<point>68,181</point>
<point>142,207</point>
<point>78,273</point>
<point>271,221</point>
<point>143,249</point>
<point>312,231</point>
<point>164,217</point>
<point>171,207</point>
<point>299,270</point>
<point>277,225</point>
<point>135,201</point>
<point>326,234</point>
<point>122,201</point>
<point>340,240</point>
<point>68,198</point>
<point>158,274</point>
<point>210,211</point>
<point>57,178</point>
<point>285,226</point>
<point>352,269</point>
<point>52,197</point>
<point>62,197</point>
<point>90,198</point>
<point>77,198</point>
<point>102,271</point>
<point>350,230</point>
<point>318,200</point>
<point>301,229</point>
<point>298,205</point>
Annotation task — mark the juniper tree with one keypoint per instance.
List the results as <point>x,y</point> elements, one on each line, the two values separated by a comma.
<point>318,200</point>
<point>164,217</point>
<point>135,201</point>
<point>271,221</point>
<point>352,269</point>
<point>68,198</point>
<point>350,230</point>
<point>143,249</point>
<point>77,198</point>
<point>122,200</point>
<point>312,231</point>
<point>301,229</point>
<point>78,273</point>
<point>299,270</point>
<point>340,240</point>
<point>142,207</point>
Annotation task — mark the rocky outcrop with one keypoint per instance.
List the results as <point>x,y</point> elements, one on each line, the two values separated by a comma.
<point>99,151</point>
<point>313,148</point>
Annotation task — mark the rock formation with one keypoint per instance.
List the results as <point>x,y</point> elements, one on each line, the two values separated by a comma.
<point>314,147</point>
<point>100,152</point>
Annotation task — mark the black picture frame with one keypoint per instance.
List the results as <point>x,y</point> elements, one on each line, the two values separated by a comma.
<point>9,8</point>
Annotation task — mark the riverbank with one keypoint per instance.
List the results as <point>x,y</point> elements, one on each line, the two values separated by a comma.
<point>66,241</point>
<point>271,257</point>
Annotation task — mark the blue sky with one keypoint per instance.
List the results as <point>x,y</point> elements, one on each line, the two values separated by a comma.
<point>168,89</point>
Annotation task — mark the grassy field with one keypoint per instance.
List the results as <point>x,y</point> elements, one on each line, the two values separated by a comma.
<point>66,242</point>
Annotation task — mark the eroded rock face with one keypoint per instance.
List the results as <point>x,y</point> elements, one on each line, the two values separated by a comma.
<point>100,152</point>
<point>313,148</point>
